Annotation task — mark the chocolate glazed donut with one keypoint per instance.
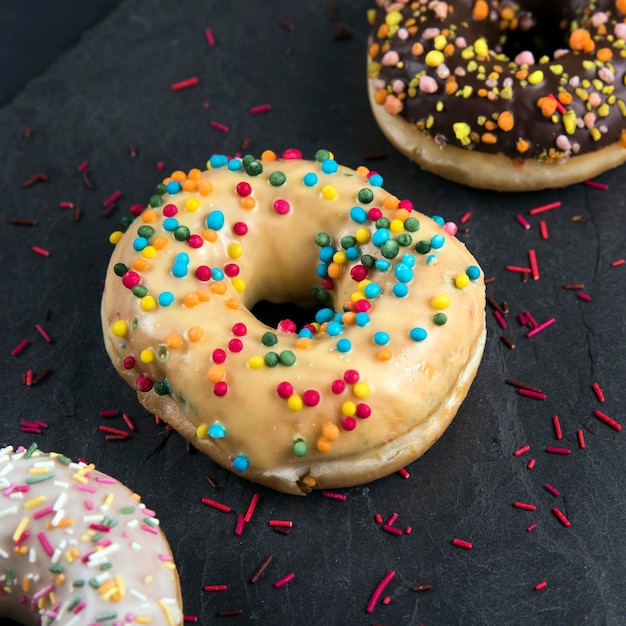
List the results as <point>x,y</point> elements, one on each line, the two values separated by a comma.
<point>502,95</point>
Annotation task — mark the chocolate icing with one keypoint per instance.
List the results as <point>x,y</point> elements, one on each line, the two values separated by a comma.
<point>591,87</point>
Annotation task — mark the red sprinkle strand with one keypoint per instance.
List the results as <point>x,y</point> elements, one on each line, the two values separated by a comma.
<point>531,394</point>
<point>184,84</point>
<point>378,592</point>
<point>251,507</point>
<point>461,543</point>
<point>281,523</point>
<point>334,495</point>
<point>215,587</point>
<point>543,229</point>
<point>555,492</point>
<point>523,221</point>
<point>618,262</point>
<point>521,450</point>
<point>403,473</point>
<point>598,392</point>
<point>583,296</point>
<point>531,464</point>
<point>19,347</point>
<point>531,528</point>
<point>545,207</point>
<point>216,505</point>
<point>533,331</point>
<point>41,251</point>
<point>558,450</point>
<point>607,420</point>
<point>43,333</point>
<point>261,108</point>
<point>392,529</point>
<point>240,524</point>
<point>542,585</point>
<point>221,127</point>
<point>532,259</point>
<point>281,582</point>
<point>596,185</point>
<point>581,439</point>
<point>210,39</point>
<point>561,517</point>
<point>558,433</point>
<point>525,506</point>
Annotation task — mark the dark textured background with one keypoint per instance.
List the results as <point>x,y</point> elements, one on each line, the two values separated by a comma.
<point>90,79</point>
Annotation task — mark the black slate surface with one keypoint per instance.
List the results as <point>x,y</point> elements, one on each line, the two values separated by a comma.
<point>107,88</point>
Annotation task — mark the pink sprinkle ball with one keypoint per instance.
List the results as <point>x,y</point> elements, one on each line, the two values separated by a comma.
<point>281,206</point>
<point>220,389</point>
<point>292,154</point>
<point>130,279</point>
<point>143,383</point>
<point>451,228</point>
<point>351,377</point>
<point>363,410</point>
<point>231,270</point>
<point>338,386</point>
<point>328,284</point>
<point>243,189</point>
<point>358,273</point>
<point>374,214</point>
<point>284,390</point>
<point>169,210</point>
<point>348,423</point>
<point>239,329</point>
<point>136,210</point>
<point>287,326</point>
<point>311,397</point>
<point>362,306</point>
<point>203,273</point>
<point>235,345</point>
<point>218,356</point>
<point>195,241</point>
<point>129,362</point>
<point>240,229</point>
<point>406,204</point>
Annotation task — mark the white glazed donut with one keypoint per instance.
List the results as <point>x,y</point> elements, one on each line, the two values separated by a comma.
<point>364,388</point>
<point>77,547</point>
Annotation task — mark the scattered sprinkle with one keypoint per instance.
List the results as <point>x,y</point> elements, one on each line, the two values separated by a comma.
<point>596,185</point>
<point>281,582</point>
<point>561,516</point>
<point>185,84</point>
<point>264,565</point>
<point>461,543</point>
<point>545,207</point>
<point>378,592</point>
<point>607,420</point>
<point>598,392</point>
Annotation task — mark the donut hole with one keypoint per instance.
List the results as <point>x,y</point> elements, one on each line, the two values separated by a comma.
<point>541,36</point>
<point>272,313</point>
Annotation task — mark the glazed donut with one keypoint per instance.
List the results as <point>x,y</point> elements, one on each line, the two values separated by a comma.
<point>78,547</point>
<point>502,95</point>
<point>393,338</point>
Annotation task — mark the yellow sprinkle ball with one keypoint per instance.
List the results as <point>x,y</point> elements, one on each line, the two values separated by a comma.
<point>434,58</point>
<point>362,235</point>
<point>339,256</point>
<point>202,432</point>
<point>329,192</point>
<point>120,328</point>
<point>295,403</point>
<point>149,252</point>
<point>256,362</point>
<point>440,302</point>
<point>361,389</point>
<point>348,408</point>
<point>192,204</point>
<point>148,303</point>
<point>235,250</point>
<point>115,236</point>
<point>461,281</point>
<point>146,356</point>
<point>396,226</point>
<point>239,284</point>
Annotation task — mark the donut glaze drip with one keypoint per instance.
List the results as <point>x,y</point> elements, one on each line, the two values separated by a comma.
<point>399,316</point>
<point>77,547</point>
<point>443,66</point>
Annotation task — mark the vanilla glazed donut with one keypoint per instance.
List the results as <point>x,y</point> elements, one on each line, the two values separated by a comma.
<point>503,95</point>
<point>367,383</point>
<point>77,547</point>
